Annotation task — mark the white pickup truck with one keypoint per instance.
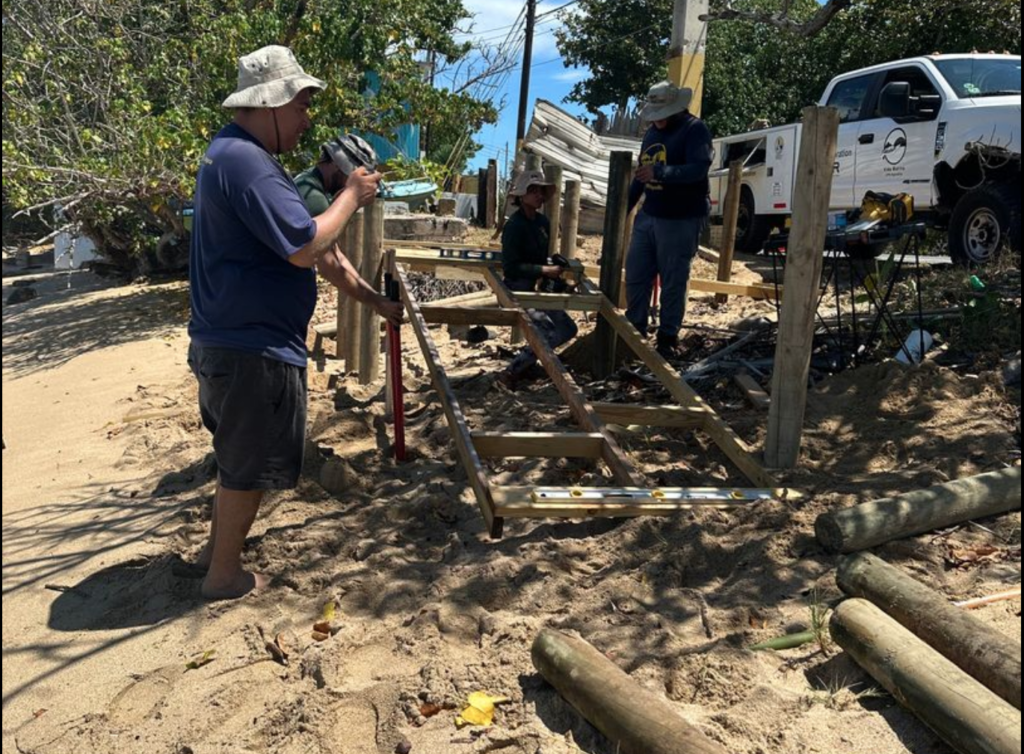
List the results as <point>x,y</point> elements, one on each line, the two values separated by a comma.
<point>943,128</point>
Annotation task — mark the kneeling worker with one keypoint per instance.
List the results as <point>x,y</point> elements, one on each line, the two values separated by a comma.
<point>524,250</point>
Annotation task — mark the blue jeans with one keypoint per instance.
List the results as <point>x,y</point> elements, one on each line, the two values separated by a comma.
<point>666,248</point>
<point>557,328</point>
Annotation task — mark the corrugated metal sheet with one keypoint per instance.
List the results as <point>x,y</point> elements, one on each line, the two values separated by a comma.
<point>562,140</point>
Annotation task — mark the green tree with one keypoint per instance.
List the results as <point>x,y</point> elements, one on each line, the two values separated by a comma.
<point>108,105</point>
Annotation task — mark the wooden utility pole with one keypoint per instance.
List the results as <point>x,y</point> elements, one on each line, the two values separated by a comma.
<point>804,262</point>
<point>553,208</point>
<point>731,220</point>
<point>524,87</point>
<point>353,309</point>
<point>571,218</point>
<point>613,255</point>
<point>688,48</point>
<point>373,253</point>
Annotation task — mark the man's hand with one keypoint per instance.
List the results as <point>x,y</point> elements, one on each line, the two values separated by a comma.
<point>645,173</point>
<point>363,186</point>
<point>392,311</point>
<point>552,271</point>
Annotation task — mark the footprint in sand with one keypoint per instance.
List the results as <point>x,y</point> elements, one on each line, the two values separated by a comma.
<point>143,697</point>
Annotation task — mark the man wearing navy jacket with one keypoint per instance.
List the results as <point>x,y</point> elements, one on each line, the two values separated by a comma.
<point>673,179</point>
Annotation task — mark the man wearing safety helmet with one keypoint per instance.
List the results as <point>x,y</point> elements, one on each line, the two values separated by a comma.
<point>339,158</point>
<point>253,291</point>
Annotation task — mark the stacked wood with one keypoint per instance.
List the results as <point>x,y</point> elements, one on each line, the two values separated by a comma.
<point>632,718</point>
<point>871,524</point>
<point>968,716</point>
<point>979,650</point>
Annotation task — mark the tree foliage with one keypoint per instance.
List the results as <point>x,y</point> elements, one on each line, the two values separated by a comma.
<point>108,105</point>
<point>757,71</point>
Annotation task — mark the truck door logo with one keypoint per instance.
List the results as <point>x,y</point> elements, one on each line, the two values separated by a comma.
<point>895,146</point>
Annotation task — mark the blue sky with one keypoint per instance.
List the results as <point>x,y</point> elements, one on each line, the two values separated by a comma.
<point>550,79</point>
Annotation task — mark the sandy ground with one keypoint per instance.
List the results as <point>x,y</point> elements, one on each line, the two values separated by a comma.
<point>108,483</point>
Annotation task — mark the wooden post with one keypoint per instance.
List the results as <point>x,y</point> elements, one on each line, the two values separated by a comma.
<point>534,162</point>
<point>571,218</point>
<point>613,254</point>
<point>491,218</point>
<point>553,208</point>
<point>871,524</point>
<point>985,654</point>
<point>635,720</point>
<point>731,220</point>
<point>968,716</point>
<point>353,309</point>
<point>804,263</point>
<point>373,251</point>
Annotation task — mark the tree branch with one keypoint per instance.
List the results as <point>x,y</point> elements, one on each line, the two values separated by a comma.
<point>781,20</point>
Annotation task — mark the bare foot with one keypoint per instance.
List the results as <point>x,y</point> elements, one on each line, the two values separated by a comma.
<point>232,589</point>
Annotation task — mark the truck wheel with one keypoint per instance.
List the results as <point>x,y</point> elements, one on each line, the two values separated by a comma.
<point>751,229</point>
<point>982,224</point>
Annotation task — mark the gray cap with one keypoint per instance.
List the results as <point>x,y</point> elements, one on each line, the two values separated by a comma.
<point>350,152</point>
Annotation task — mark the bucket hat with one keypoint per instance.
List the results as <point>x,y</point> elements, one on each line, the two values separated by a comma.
<point>270,77</point>
<point>532,178</point>
<point>665,100</point>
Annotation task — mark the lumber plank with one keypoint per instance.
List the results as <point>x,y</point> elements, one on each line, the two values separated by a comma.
<point>539,444</point>
<point>623,471</point>
<point>478,479</point>
<point>519,502</point>
<point>985,654</point>
<point>467,315</point>
<point>715,427</point>
<point>754,393</point>
<point>731,217</point>
<point>759,292</point>
<point>969,717</point>
<point>547,302</point>
<point>669,417</point>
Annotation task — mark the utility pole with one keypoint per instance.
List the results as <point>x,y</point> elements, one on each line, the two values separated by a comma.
<point>689,46</point>
<point>524,90</point>
<point>432,62</point>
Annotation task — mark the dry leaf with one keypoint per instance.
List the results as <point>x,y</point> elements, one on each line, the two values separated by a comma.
<point>965,557</point>
<point>480,711</point>
<point>323,627</point>
<point>431,710</point>
<point>330,610</point>
<point>204,659</point>
<point>319,636</point>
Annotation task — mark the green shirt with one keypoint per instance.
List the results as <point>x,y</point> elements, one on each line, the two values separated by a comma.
<point>524,247</point>
<point>311,189</point>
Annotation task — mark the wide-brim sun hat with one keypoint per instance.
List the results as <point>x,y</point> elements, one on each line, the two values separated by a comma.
<point>664,100</point>
<point>524,180</point>
<point>270,77</point>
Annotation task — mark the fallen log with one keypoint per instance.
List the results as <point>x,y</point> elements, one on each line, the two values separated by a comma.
<point>871,524</point>
<point>965,714</point>
<point>988,656</point>
<point>632,718</point>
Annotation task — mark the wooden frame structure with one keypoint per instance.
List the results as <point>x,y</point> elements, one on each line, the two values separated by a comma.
<point>594,441</point>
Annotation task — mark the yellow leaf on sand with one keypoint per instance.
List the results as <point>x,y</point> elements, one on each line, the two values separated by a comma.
<point>480,711</point>
<point>330,609</point>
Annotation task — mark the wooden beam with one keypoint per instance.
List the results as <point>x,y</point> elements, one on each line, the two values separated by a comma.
<point>481,299</point>
<point>622,470</point>
<point>613,255</point>
<point>675,417</point>
<point>373,254</point>
<point>468,315</point>
<point>981,651</point>
<point>804,264</point>
<point>547,302</point>
<point>721,433</point>
<point>520,502</point>
<point>461,436</point>
<point>539,445</point>
<point>758,292</point>
<point>571,218</point>
<point>969,717</point>
<point>731,218</point>
<point>553,207</point>
<point>353,310</point>
<point>754,393</point>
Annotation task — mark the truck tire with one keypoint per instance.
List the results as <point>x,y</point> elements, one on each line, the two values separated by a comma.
<point>751,229</point>
<point>985,222</point>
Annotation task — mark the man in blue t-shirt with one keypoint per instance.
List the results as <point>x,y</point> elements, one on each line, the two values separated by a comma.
<point>673,179</point>
<point>255,249</point>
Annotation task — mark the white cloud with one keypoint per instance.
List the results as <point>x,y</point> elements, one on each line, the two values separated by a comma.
<point>571,75</point>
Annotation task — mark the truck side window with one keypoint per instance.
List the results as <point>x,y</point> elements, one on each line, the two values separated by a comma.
<point>920,84</point>
<point>848,97</point>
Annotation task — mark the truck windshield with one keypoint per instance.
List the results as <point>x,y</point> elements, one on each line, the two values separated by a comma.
<point>974,77</point>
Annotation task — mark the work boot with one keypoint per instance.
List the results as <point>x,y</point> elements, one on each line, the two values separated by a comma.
<point>668,346</point>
